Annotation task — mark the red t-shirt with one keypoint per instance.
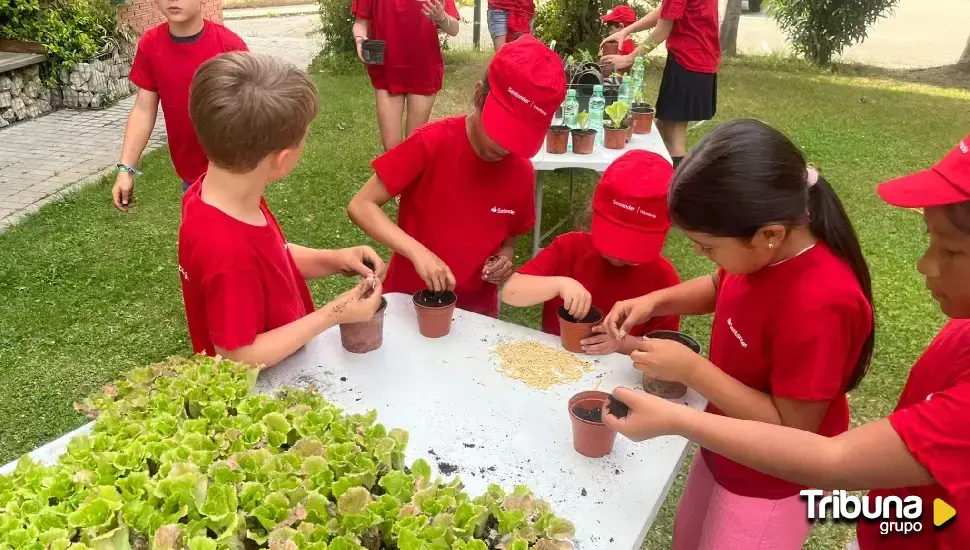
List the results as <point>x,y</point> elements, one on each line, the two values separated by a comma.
<point>238,280</point>
<point>166,67</point>
<point>457,205</point>
<point>694,40</point>
<point>793,330</point>
<point>573,255</point>
<point>413,63</point>
<point>520,14</point>
<point>628,46</point>
<point>931,419</point>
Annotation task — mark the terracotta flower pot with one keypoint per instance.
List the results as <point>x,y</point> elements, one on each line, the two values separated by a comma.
<point>434,312</point>
<point>611,48</point>
<point>590,436</point>
<point>628,122</point>
<point>557,140</point>
<point>366,336</point>
<point>606,68</point>
<point>572,331</point>
<point>615,138</point>
<point>664,388</point>
<point>584,141</point>
<point>643,119</point>
<point>373,51</point>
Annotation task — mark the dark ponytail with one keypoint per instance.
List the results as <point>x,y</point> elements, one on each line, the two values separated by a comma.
<point>745,175</point>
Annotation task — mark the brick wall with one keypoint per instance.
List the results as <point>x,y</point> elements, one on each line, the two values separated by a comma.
<point>142,15</point>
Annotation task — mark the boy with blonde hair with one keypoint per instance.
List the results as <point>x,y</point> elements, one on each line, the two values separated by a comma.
<point>244,286</point>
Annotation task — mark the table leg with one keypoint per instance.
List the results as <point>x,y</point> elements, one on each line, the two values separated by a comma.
<point>537,230</point>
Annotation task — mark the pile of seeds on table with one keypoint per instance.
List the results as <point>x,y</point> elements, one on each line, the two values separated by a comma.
<point>539,366</point>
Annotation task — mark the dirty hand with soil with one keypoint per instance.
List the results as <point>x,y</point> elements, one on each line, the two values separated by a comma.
<point>601,343</point>
<point>667,360</point>
<point>360,260</point>
<point>647,416</point>
<point>358,304</point>
<point>433,271</point>
<point>627,314</point>
<point>576,299</point>
<point>498,269</point>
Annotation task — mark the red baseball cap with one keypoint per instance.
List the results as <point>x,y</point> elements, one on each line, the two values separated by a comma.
<point>947,182</point>
<point>630,217</point>
<point>621,14</point>
<point>526,85</point>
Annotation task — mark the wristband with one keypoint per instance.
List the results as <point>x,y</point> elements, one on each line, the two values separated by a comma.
<point>123,168</point>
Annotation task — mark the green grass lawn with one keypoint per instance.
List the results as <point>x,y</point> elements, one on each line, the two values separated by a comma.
<point>89,292</point>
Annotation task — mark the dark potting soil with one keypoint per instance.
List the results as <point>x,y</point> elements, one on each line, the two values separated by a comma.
<point>447,468</point>
<point>589,415</point>
<point>343,378</point>
<point>583,492</point>
<point>560,128</point>
<point>368,264</point>
<point>586,132</point>
<point>617,408</point>
<point>594,316</point>
<point>429,298</point>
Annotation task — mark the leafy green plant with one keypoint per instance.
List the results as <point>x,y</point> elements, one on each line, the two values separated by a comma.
<point>582,120</point>
<point>617,111</point>
<point>820,30</point>
<point>71,31</point>
<point>575,24</point>
<point>183,456</point>
<point>337,28</point>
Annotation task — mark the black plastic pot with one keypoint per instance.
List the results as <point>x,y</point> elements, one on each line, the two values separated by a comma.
<point>373,51</point>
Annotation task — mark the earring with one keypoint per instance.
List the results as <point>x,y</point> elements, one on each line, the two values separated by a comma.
<point>771,245</point>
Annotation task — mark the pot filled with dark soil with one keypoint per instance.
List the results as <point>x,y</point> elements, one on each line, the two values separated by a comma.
<point>615,138</point>
<point>557,140</point>
<point>664,388</point>
<point>572,331</point>
<point>584,141</point>
<point>366,336</point>
<point>606,68</point>
<point>435,310</point>
<point>373,51</point>
<point>591,437</point>
<point>643,119</point>
<point>611,48</point>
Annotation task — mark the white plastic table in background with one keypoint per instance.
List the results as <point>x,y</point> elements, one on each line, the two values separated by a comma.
<point>459,410</point>
<point>597,161</point>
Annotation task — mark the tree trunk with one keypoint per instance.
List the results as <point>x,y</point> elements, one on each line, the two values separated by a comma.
<point>965,56</point>
<point>729,27</point>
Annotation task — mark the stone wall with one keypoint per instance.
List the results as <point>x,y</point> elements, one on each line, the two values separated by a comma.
<point>142,15</point>
<point>96,84</point>
<point>23,95</point>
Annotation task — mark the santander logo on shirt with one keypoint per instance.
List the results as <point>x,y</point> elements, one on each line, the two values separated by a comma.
<point>631,208</point>
<point>497,210</point>
<point>734,331</point>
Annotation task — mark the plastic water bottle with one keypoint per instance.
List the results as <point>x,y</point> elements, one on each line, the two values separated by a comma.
<point>637,75</point>
<point>626,90</point>
<point>570,109</point>
<point>597,106</point>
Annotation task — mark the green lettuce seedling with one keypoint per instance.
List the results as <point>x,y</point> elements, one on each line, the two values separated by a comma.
<point>617,112</point>
<point>582,119</point>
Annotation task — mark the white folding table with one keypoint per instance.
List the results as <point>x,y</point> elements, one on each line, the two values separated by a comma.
<point>460,411</point>
<point>597,161</point>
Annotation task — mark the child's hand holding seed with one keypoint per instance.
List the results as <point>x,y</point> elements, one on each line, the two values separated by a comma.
<point>647,416</point>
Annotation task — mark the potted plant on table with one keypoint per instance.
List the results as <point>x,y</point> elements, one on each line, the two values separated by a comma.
<point>557,139</point>
<point>616,131</point>
<point>642,114</point>
<point>583,138</point>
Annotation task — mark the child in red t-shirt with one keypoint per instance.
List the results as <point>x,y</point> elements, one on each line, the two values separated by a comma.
<point>244,285</point>
<point>507,20</point>
<point>619,18</point>
<point>793,322</point>
<point>466,183</point>
<point>167,57</point>
<point>688,89</point>
<point>618,259</point>
<point>920,452</point>
<point>410,76</point>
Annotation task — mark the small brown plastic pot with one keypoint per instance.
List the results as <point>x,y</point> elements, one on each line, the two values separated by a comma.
<point>590,439</point>
<point>611,48</point>
<point>615,138</point>
<point>572,331</point>
<point>606,68</point>
<point>434,312</point>
<point>664,388</point>
<point>584,141</point>
<point>366,336</point>
<point>643,119</point>
<point>628,122</point>
<point>557,140</point>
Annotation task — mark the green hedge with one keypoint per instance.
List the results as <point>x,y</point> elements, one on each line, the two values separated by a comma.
<point>71,31</point>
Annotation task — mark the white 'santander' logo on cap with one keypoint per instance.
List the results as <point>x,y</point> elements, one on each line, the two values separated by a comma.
<point>632,208</point>
<point>524,99</point>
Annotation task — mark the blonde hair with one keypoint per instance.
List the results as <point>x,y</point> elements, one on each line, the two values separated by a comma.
<point>245,106</point>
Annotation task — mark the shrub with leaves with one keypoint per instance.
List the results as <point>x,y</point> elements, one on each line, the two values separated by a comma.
<point>575,24</point>
<point>821,29</point>
<point>71,31</point>
<point>337,28</point>
<point>183,456</point>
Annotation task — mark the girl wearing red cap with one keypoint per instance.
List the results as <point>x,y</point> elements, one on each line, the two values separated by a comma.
<point>413,67</point>
<point>619,258</point>
<point>466,183</point>
<point>793,323</point>
<point>619,18</point>
<point>688,89</point>
<point>921,452</point>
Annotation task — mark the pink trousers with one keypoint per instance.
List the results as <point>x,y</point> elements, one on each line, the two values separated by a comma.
<point>710,517</point>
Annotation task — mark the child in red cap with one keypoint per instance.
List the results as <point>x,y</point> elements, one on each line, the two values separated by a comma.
<point>466,183</point>
<point>620,17</point>
<point>618,259</point>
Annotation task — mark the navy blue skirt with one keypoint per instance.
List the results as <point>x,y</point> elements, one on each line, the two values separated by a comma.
<point>686,95</point>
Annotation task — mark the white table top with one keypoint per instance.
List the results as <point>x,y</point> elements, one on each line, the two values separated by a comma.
<point>448,394</point>
<point>601,156</point>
